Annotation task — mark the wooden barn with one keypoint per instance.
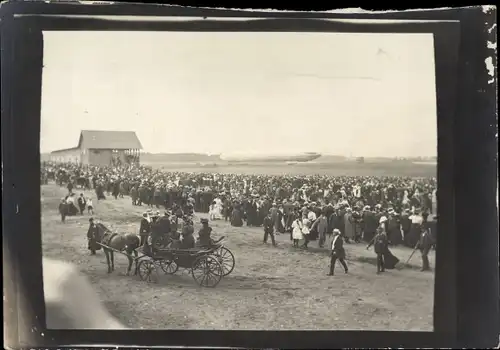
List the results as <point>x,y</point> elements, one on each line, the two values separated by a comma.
<point>99,147</point>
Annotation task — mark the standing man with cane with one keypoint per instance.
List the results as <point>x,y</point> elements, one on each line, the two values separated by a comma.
<point>424,245</point>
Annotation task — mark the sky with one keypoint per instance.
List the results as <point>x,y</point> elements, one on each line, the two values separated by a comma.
<point>351,94</point>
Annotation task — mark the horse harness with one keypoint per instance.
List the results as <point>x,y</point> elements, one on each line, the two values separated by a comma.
<point>108,236</point>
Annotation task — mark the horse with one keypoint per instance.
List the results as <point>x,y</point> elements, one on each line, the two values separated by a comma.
<point>127,242</point>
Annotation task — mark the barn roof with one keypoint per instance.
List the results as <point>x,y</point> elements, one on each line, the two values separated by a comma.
<point>102,139</point>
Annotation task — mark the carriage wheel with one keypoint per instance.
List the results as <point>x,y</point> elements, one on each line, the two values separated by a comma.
<point>226,259</point>
<point>207,271</point>
<point>169,266</point>
<point>147,271</point>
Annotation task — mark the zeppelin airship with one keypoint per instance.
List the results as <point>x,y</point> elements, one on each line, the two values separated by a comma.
<point>270,158</point>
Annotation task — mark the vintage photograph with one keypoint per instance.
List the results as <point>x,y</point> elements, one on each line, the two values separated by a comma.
<point>239,180</point>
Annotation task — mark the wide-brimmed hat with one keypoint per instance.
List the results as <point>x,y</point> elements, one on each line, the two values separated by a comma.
<point>336,231</point>
<point>382,220</point>
<point>204,221</point>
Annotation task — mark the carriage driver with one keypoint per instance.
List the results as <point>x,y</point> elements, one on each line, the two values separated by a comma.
<point>92,237</point>
<point>204,233</point>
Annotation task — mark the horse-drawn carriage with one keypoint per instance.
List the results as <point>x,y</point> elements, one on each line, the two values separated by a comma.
<point>207,264</point>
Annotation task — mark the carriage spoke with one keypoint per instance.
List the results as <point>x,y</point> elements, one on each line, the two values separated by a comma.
<point>209,276</point>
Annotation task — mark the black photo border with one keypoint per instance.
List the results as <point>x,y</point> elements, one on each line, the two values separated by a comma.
<point>466,287</point>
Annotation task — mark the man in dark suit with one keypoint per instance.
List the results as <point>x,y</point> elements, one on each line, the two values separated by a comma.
<point>424,245</point>
<point>81,203</point>
<point>92,236</point>
<point>338,252</point>
<point>63,209</point>
<point>381,244</point>
<point>432,225</point>
<point>269,228</point>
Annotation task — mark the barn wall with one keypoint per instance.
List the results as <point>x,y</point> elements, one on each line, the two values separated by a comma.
<point>67,156</point>
<point>88,156</point>
<point>85,156</point>
<point>99,156</point>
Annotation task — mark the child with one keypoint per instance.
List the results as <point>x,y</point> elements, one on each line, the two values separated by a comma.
<point>90,208</point>
<point>297,232</point>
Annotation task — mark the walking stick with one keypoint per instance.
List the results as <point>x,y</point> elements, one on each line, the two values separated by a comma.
<point>411,255</point>
<point>369,244</point>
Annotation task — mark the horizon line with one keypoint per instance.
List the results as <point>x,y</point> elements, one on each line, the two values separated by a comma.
<point>267,154</point>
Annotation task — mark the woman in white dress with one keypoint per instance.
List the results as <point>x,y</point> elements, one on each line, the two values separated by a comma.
<point>297,232</point>
<point>218,208</point>
<point>212,211</point>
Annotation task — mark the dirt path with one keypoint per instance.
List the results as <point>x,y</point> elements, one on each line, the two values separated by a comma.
<point>270,288</point>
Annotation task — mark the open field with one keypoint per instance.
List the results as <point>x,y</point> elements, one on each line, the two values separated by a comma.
<point>270,288</point>
<point>325,165</point>
<point>331,168</point>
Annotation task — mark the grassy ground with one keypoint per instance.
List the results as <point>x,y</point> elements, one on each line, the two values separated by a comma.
<point>331,169</point>
<point>270,288</point>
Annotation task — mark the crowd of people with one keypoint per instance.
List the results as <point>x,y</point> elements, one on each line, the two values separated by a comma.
<point>309,208</point>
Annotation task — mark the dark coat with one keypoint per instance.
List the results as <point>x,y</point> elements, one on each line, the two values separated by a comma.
<point>425,242</point>
<point>63,209</point>
<point>393,230</point>
<point>380,243</point>
<point>405,223</point>
<point>236,218</point>
<point>370,222</point>
<point>145,228</point>
<point>204,235</point>
<point>268,224</point>
<point>432,225</point>
<point>92,236</point>
<point>81,202</point>
<point>338,247</point>
<point>188,242</point>
<point>160,227</point>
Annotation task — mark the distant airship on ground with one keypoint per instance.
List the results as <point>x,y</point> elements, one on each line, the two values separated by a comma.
<point>270,158</point>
